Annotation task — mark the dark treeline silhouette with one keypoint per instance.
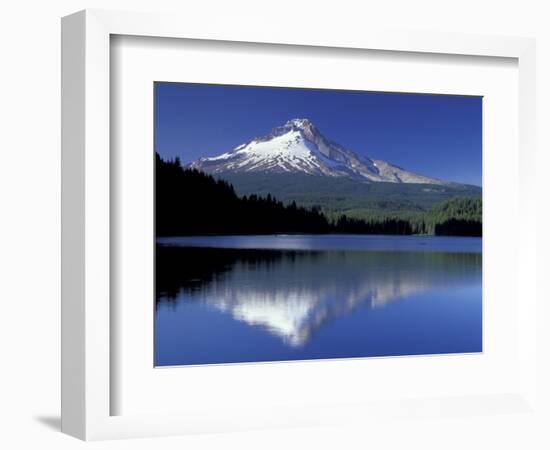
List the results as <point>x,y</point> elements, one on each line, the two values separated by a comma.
<point>458,227</point>
<point>381,226</point>
<point>190,202</point>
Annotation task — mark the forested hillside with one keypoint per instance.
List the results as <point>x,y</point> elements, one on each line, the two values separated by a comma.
<point>189,202</point>
<point>342,195</point>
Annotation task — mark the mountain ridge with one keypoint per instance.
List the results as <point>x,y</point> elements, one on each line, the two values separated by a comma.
<point>299,147</point>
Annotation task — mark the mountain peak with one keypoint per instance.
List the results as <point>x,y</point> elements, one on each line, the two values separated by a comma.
<point>299,123</point>
<point>304,126</point>
<point>299,147</point>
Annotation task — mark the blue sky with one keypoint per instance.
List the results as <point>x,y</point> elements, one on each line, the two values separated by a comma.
<point>435,135</point>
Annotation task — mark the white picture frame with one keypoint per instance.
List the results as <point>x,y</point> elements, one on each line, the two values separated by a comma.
<point>86,204</point>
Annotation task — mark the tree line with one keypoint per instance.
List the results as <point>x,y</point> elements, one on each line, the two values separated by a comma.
<point>461,216</point>
<point>190,202</point>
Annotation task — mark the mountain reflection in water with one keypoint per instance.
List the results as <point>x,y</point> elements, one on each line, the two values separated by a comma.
<point>293,293</point>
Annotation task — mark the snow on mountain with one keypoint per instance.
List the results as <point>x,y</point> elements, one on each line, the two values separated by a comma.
<point>299,147</point>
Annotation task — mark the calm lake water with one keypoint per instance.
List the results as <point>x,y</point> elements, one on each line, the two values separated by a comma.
<point>228,299</point>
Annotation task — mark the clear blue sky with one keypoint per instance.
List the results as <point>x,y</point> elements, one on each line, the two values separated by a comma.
<point>434,135</point>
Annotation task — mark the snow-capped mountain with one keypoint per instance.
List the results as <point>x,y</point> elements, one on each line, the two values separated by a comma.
<point>299,147</point>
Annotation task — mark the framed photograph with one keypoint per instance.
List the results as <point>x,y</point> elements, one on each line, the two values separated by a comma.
<point>268,229</point>
<point>290,246</point>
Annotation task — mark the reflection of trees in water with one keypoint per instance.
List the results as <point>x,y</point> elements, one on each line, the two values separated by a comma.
<point>293,293</point>
<point>192,268</point>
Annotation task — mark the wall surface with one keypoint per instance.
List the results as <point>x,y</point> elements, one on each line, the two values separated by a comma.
<point>30,195</point>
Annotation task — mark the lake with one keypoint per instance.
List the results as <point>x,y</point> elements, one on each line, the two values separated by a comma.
<point>230,299</point>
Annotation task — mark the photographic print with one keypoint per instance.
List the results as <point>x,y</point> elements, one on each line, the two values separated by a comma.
<point>301,224</point>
